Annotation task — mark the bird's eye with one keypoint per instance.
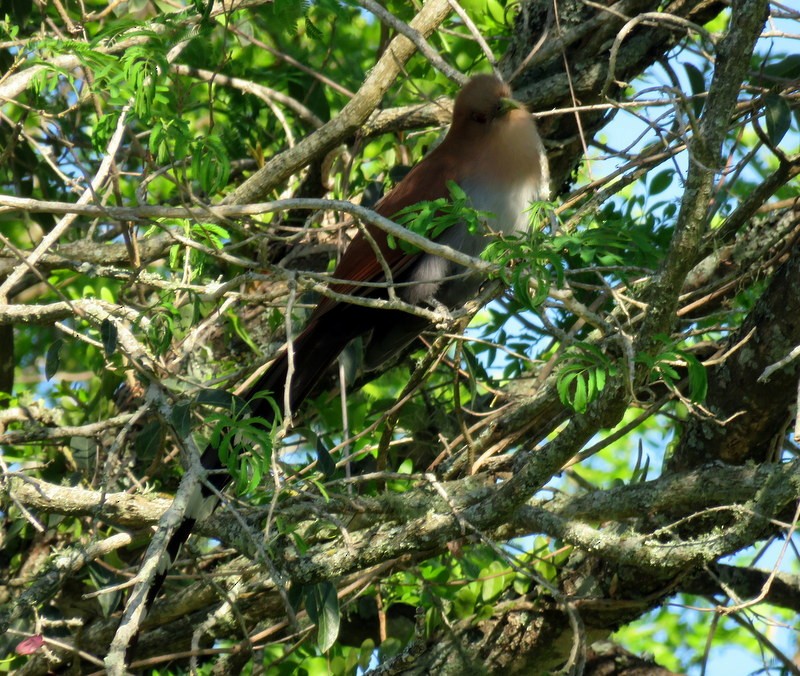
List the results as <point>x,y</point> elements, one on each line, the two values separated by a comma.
<point>480,118</point>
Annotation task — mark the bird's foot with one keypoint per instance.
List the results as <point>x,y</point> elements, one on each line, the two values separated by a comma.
<point>445,316</point>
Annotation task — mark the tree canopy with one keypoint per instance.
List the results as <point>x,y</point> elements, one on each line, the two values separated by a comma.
<point>591,468</point>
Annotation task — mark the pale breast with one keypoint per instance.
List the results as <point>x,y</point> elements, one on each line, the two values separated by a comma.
<point>513,172</point>
<point>509,173</point>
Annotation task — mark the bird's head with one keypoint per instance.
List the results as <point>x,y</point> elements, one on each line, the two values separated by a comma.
<point>482,103</point>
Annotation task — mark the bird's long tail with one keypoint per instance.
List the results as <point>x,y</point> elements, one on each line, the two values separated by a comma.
<point>313,351</point>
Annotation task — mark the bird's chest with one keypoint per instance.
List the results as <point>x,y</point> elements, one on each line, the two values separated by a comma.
<point>435,277</point>
<point>508,202</point>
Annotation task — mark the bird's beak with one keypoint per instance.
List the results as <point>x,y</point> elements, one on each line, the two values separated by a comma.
<point>507,105</point>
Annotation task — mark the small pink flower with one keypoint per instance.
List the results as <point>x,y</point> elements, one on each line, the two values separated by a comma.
<point>30,645</point>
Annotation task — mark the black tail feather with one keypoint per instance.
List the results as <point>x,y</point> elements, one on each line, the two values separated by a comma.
<point>314,350</point>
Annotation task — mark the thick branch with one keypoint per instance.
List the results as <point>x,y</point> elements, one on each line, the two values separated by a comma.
<point>352,116</point>
<point>751,412</point>
<point>705,150</point>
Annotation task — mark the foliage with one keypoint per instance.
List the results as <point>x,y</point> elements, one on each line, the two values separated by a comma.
<point>432,218</point>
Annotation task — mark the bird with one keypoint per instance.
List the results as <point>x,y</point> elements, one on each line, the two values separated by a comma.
<point>494,153</point>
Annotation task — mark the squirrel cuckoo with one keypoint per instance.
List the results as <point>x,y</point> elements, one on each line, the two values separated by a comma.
<point>493,152</point>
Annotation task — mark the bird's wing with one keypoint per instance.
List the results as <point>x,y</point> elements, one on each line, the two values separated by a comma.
<point>425,182</point>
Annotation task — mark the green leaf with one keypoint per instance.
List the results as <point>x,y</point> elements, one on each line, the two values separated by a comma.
<point>583,375</point>
<point>148,440</point>
<point>494,581</point>
<point>322,606</point>
<point>181,418</point>
<point>169,140</point>
<point>432,218</point>
<point>325,462</point>
<point>778,116</point>
<point>668,372</point>
<point>211,165</point>
<point>158,143</point>
<point>698,378</point>
<point>108,335</point>
<point>142,67</point>
<point>107,295</point>
<point>255,475</point>
<point>211,233</point>
<point>312,31</point>
<point>580,399</point>
<point>160,333</point>
<point>495,10</point>
<point>563,386</point>
<point>102,578</point>
<point>600,379</point>
<point>661,181</point>
<point>241,331</point>
<point>174,254</point>
<point>698,85</point>
<point>522,584</point>
<point>53,359</point>
<point>103,130</point>
<point>314,666</point>
<point>221,398</point>
<point>784,67</point>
